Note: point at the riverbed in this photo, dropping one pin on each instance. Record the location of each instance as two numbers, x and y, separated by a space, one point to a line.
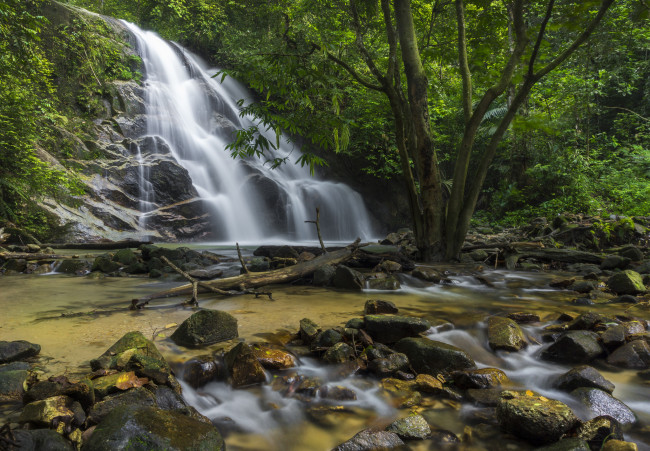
75 319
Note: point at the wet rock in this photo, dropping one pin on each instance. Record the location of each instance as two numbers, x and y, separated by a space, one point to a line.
505 335
117 382
339 353
426 383
626 282
412 427
11 351
488 397
534 418
428 274
326 339
258 264
613 337
378 306
355 323
138 397
615 262
16 264
567 444
308 330
389 365
323 276
337 393
273 358
105 264
583 376
347 278
82 391
599 403
524 317
619 445
633 327
244 367
443 439
631 252
206 327
383 283
150 428
596 431
481 378
583 286
389 329
276 252
576 346
368 440
73 266
434 357
125 257
13 384
633 355
390 266
206 274
200 370
586 321
44 413
41 440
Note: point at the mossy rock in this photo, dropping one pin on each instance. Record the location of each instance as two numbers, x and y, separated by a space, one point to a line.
626 282
125 256
505 335
118 355
149 428
206 327
434 357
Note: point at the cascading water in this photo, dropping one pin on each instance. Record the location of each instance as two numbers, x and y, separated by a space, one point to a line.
197 117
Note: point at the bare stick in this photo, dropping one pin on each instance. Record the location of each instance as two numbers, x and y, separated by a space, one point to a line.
241 260
317 222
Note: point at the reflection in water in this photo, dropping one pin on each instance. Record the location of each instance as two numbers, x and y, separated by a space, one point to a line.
77 318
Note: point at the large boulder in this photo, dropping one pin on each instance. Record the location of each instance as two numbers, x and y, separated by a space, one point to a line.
206 327
626 282
11 351
576 346
347 278
434 357
505 335
583 376
600 403
391 328
146 428
244 367
634 355
534 418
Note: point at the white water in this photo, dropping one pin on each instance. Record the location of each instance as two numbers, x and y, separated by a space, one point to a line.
196 115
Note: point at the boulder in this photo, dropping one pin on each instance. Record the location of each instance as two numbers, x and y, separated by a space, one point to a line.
82 391
368 439
615 262
631 252
534 418
613 337
600 403
339 353
40 439
434 357
576 346
389 328
428 274
308 330
104 263
347 278
73 266
505 335
383 283
583 286
59 409
125 257
243 366
583 376
323 275
11 351
389 365
146 428
481 379
138 397
206 327
326 339
13 384
203 369
587 321
633 355
412 427
598 430
273 358
626 282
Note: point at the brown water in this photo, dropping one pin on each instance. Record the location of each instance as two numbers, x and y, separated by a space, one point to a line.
75 319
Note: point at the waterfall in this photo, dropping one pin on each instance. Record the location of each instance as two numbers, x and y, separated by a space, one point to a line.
197 116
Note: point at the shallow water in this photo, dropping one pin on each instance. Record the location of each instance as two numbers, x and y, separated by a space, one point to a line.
75 319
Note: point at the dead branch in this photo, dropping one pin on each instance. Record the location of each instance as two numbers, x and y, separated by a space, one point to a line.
241 260
317 222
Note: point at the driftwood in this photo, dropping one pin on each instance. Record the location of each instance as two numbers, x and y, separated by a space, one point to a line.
104 246
32 256
245 282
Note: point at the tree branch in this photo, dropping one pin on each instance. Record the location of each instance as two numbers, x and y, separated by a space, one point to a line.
462 61
540 36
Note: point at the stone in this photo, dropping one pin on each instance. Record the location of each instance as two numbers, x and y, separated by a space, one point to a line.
428 274
626 282
11 351
43 413
368 439
389 329
337 393
426 383
505 335
326 339
412 427
633 355
390 266
105 264
243 366
82 391
125 257
631 252
600 403
583 286
206 327
308 330
488 397
206 273
73 266
586 321
524 317
138 397
13 384
434 357
146 428
41 440
347 278
443 439
383 283
613 337
273 358
258 264
615 262
378 306
323 275
576 346
481 378
534 418
203 369
355 323
389 365
339 353
583 376
597 430
619 445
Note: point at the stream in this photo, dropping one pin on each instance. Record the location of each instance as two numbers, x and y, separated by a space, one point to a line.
76 319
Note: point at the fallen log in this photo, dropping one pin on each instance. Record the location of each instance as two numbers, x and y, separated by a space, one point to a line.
244 282
32 256
552 255
104 246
